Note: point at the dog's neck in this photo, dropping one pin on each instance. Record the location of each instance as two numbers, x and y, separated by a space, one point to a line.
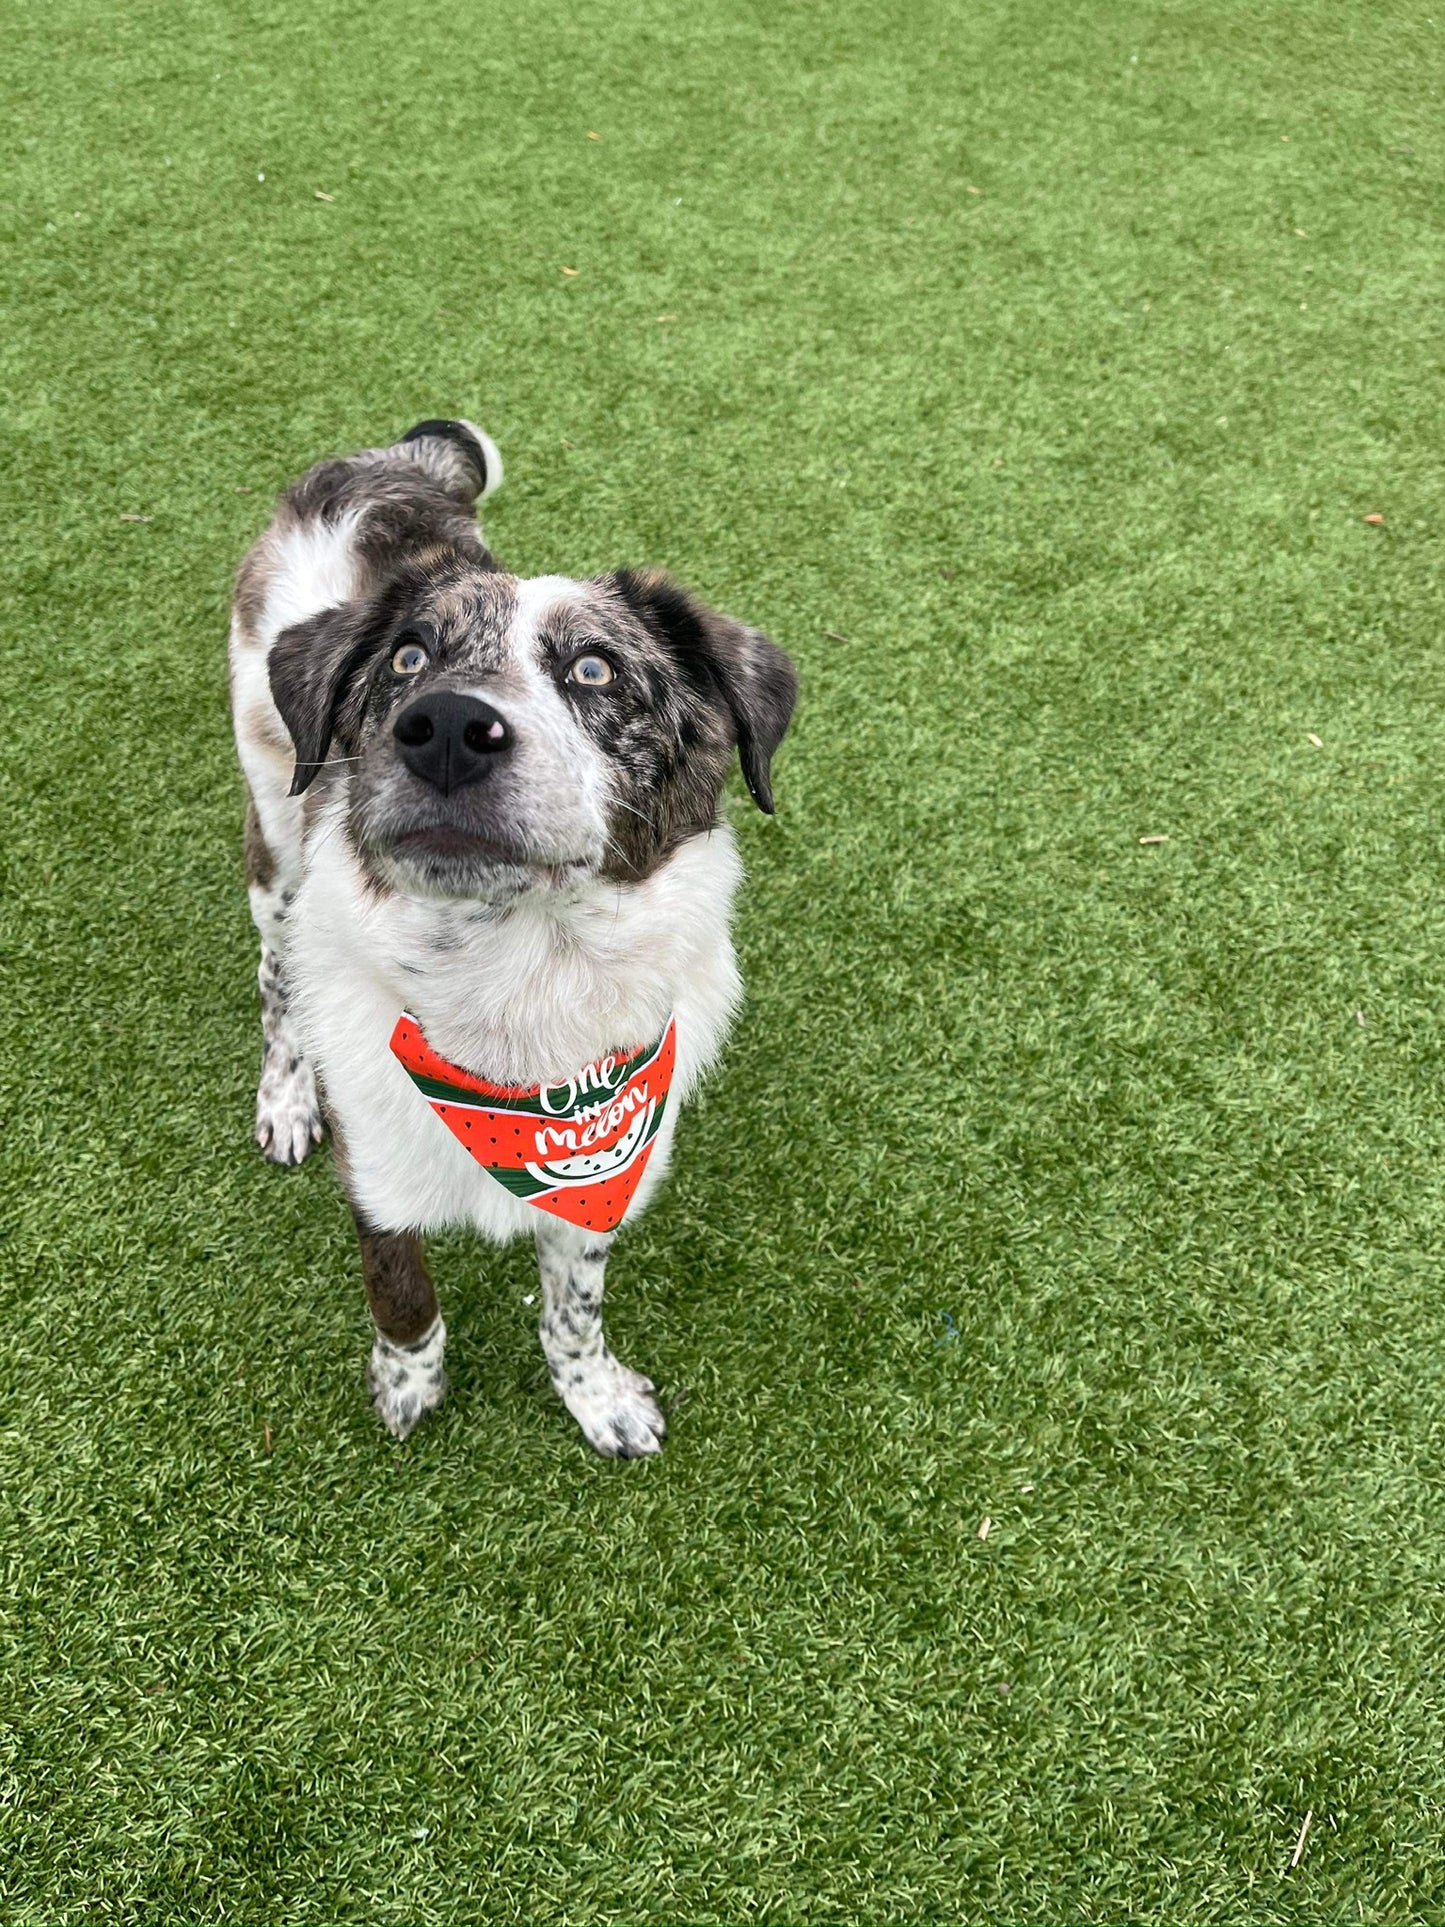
535 987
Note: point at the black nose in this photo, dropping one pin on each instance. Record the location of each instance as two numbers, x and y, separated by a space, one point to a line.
449 740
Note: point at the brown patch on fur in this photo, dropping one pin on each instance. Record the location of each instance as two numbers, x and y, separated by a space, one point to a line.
255 577
398 1285
263 730
437 557
260 862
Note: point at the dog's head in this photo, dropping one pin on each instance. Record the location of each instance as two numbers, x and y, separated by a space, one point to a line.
493 735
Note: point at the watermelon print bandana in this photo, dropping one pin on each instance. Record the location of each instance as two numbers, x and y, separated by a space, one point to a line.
577 1149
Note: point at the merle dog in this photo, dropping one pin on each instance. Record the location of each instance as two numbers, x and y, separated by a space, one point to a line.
493 885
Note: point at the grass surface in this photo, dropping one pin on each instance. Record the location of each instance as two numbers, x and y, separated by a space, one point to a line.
1088 1185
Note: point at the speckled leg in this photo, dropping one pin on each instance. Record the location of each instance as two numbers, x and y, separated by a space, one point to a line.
614 1406
288 1113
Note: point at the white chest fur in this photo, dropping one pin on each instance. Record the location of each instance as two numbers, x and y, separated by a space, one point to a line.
518 996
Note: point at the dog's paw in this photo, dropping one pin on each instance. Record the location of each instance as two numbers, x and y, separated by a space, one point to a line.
407 1382
614 1406
288 1113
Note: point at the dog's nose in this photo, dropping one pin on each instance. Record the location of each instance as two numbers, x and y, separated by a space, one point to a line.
450 740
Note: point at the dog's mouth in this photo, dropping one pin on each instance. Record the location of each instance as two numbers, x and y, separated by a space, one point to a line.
461 845
442 857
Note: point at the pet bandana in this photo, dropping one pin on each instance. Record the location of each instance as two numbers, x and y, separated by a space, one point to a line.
577 1149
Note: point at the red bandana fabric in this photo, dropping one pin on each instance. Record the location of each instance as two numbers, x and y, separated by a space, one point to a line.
577 1149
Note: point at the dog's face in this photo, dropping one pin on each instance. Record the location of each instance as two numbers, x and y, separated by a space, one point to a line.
493 735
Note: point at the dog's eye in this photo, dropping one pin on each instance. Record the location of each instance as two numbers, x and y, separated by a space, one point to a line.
409 660
591 671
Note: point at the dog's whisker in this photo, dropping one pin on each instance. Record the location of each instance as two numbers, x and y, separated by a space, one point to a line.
615 849
639 814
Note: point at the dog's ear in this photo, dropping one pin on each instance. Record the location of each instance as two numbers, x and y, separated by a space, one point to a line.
756 681
310 666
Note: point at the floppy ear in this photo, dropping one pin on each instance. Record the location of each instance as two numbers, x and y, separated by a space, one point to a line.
756 681
309 667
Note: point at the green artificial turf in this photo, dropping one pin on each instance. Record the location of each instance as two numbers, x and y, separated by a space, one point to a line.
1051 357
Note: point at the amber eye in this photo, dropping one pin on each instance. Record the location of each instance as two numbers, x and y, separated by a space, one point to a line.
409 660
591 671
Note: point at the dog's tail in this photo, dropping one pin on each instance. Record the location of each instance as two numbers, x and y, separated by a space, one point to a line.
448 447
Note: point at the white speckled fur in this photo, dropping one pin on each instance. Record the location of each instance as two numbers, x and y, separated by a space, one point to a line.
407 1381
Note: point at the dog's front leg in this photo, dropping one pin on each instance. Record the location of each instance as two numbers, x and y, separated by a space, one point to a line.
405 1374
288 1113
614 1406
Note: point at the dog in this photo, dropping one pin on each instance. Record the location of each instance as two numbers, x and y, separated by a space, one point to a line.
493 885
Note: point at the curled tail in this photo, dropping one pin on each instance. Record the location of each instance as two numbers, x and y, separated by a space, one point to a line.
456 452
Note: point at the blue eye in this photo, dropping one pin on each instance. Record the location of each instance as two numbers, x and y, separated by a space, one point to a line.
409 660
591 671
